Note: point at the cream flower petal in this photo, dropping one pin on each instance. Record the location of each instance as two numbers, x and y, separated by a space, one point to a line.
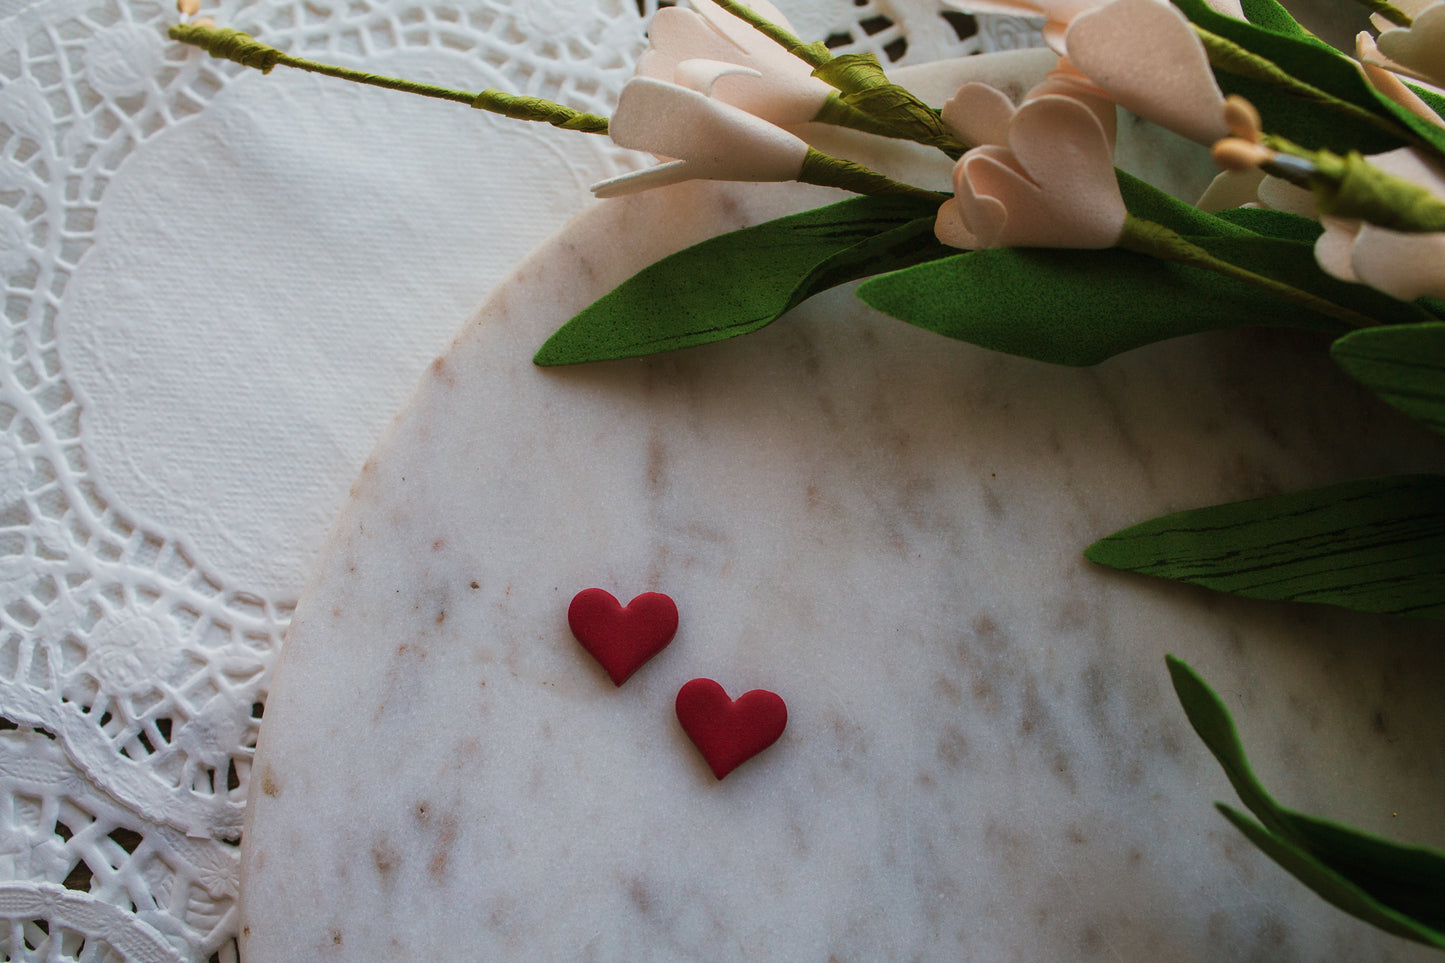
1421 46
712 139
950 229
633 182
1332 249
1145 55
1054 184
684 34
1278 194
1405 266
1066 80
1384 80
983 213
1231 189
700 75
783 89
978 114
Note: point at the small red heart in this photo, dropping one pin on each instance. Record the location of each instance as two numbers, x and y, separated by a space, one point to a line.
622 638
729 732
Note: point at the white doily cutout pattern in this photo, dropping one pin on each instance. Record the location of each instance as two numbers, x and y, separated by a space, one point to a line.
143 644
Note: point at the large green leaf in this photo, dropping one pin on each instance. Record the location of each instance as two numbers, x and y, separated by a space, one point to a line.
1376 545
742 281
1079 307
1403 364
1398 888
1309 60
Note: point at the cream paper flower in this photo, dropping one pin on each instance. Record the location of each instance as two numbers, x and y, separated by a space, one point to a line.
1379 70
1404 265
701 138
1052 185
1420 47
980 113
706 48
1058 14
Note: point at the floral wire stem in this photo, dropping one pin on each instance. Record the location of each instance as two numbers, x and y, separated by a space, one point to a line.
226 44
1155 240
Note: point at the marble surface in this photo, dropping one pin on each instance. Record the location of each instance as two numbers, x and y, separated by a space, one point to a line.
983 759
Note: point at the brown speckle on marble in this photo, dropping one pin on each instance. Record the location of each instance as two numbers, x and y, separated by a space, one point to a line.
442 371
952 747
640 897
335 937
269 785
385 857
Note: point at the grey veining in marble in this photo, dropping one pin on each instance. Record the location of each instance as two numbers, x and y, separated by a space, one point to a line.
984 759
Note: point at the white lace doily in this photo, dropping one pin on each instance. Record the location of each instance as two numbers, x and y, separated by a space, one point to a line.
218 288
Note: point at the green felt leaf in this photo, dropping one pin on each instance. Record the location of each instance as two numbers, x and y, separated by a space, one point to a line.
1079 307
1146 201
742 281
1376 545
1277 224
1273 16
1432 100
1403 364
1396 887
1314 62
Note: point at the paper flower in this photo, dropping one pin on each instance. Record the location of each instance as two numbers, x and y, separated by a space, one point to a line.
1146 57
1420 47
1053 185
1403 265
1379 70
702 138
708 48
1059 14
980 113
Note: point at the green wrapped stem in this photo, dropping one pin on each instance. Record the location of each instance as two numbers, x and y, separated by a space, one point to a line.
227 44
1350 186
1147 237
829 171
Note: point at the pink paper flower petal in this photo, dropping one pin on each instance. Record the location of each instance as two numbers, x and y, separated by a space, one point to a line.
700 75
713 140
1421 46
1146 56
978 114
1382 78
1332 249
1403 265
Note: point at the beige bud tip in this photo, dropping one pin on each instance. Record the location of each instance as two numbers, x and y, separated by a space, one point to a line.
1236 154
188 7
203 22
1242 119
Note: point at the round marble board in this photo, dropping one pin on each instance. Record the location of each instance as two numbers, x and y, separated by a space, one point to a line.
983 759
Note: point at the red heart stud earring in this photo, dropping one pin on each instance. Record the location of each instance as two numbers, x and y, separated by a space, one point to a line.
622 638
729 732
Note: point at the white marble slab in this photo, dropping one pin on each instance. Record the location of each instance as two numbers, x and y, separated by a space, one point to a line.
983 758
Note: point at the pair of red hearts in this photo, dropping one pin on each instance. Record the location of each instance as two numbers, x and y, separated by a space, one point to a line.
728 732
